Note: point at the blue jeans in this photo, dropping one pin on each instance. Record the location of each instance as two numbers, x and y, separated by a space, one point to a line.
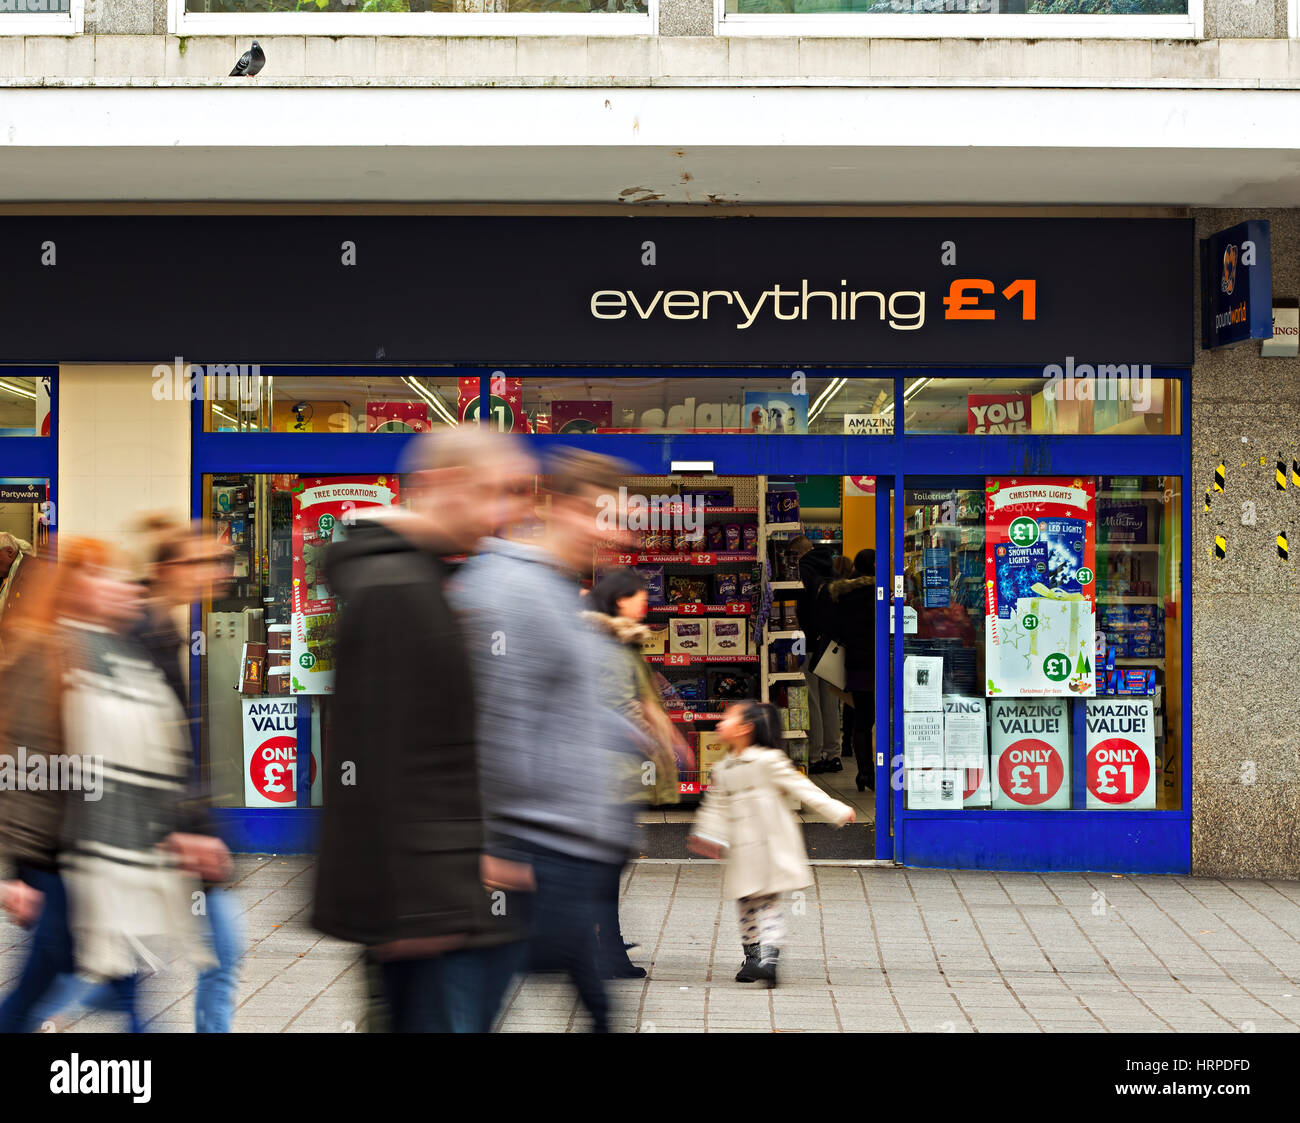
459 992
49 957
214 996
218 987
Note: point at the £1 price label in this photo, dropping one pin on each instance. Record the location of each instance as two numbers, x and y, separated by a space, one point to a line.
1030 771
274 769
1118 770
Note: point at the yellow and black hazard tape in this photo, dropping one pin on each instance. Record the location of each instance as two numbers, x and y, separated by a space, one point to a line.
1295 472
1220 476
1281 475
1282 548
1220 547
1207 500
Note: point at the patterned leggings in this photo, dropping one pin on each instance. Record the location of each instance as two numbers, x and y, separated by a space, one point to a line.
761 919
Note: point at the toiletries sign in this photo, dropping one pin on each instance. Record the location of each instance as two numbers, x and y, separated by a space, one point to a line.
323 506
1030 745
1121 753
1040 586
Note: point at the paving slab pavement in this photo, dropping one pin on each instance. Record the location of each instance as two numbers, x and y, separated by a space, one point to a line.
870 949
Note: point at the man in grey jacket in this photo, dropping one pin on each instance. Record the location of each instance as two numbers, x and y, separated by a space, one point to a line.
549 752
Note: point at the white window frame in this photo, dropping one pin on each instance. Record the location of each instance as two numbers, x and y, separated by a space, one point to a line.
71 22
447 24
941 25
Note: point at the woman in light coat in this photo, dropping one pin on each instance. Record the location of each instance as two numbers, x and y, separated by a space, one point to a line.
746 818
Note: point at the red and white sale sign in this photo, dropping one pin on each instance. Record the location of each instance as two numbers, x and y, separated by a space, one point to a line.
998 413
323 508
1030 743
271 754
1121 753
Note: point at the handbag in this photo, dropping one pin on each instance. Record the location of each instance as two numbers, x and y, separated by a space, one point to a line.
831 665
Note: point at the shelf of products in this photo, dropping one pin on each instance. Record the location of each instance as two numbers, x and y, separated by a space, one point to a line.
685 660
732 608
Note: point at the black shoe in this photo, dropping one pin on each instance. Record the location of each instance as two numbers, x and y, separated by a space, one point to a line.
629 947
865 785
833 765
748 972
766 969
816 767
628 970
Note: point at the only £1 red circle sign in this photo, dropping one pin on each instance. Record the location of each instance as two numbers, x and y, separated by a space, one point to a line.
1118 771
1030 771
273 769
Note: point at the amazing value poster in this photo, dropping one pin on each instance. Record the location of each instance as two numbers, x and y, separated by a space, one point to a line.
1040 586
323 507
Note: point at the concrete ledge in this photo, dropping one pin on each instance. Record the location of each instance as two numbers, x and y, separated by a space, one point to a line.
646 60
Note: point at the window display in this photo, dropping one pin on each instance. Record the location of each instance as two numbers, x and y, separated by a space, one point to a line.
244 400
1047 612
797 404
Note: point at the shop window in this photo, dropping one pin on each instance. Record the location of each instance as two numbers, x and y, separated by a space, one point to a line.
242 400
797 404
268 664
24 405
1042 644
1121 400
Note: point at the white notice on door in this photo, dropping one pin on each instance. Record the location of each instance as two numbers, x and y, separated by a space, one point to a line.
923 682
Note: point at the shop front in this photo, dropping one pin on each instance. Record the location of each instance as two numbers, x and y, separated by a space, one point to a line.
997 408
28 471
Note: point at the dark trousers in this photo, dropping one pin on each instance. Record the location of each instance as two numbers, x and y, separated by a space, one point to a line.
565 914
864 717
49 956
609 940
458 992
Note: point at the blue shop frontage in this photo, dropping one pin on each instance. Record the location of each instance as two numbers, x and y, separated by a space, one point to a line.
999 408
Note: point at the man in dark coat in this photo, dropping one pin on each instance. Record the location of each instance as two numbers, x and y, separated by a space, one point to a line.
816 568
401 867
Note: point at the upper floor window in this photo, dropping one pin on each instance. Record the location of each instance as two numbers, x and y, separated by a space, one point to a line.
1128 19
409 17
37 17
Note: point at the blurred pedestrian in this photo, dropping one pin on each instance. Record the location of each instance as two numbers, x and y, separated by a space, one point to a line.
616 608
745 819
402 866
101 868
816 568
852 622
551 750
185 564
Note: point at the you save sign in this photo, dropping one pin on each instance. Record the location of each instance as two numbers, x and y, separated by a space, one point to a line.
1121 753
1030 743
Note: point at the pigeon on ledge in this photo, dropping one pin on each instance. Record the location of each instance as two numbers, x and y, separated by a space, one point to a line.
250 62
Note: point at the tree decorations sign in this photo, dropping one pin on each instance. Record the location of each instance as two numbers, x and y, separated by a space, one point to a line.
1040 586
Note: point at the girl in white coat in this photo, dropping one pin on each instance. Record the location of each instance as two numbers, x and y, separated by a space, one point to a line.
746 818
